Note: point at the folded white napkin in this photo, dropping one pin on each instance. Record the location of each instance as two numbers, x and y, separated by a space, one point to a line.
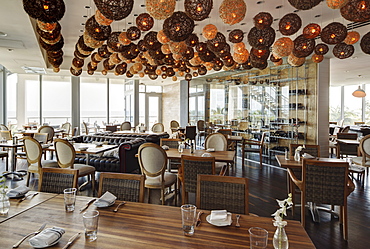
218 215
18 191
105 200
308 156
47 237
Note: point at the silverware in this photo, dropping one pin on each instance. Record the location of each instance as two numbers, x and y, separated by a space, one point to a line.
29 195
28 235
70 241
119 205
237 220
87 204
198 218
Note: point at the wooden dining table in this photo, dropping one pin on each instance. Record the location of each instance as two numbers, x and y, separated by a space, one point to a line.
140 225
91 149
220 156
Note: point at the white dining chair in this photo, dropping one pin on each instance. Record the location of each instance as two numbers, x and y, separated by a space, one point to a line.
66 155
34 151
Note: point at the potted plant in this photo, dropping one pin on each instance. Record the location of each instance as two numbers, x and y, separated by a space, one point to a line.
4 199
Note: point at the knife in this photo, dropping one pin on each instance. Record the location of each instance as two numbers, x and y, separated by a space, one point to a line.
87 204
29 195
198 218
70 241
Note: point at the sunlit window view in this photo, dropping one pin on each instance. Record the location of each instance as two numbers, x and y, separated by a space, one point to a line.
93 100
56 108
347 110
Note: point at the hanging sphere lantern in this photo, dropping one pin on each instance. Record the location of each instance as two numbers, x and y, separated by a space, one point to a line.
263 20
334 33
290 24
236 36
101 19
356 11
336 4
162 38
282 47
160 9
144 22
232 11
321 49
352 37
343 51
198 10
311 31
304 4
317 58
295 61
209 31
178 27
115 9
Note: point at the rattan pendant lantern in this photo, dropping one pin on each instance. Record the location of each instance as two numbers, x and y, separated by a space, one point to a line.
198 10
352 37
290 24
336 4
160 9
232 11
304 4
282 47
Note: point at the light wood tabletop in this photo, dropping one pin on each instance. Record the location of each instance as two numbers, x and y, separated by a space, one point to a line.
220 156
291 163
140 225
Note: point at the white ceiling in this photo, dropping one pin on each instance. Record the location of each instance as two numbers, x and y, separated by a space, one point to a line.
20 47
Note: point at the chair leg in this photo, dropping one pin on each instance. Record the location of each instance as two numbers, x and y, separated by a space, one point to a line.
303 207
176 193
345 224
7 163
28 179
260 160
162 194
93 183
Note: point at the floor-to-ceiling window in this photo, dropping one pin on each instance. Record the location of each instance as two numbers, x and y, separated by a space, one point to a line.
150 103
116 100
217 104
93 100
11 102
32 99
56 99
196 103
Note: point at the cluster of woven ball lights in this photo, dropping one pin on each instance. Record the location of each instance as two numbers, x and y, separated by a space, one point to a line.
47 14
176 51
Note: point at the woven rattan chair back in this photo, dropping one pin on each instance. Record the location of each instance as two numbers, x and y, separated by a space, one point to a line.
222 192
325 182
49 130
55 180
191 167
201 125
126 187
174 125
312 149
170 142
217 141
126 126
65 153
66 127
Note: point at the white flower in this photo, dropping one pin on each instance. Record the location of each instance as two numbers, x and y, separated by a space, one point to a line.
281 212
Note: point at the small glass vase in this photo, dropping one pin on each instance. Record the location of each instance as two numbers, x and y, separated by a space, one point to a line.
280 240
4 204
297 156
181 147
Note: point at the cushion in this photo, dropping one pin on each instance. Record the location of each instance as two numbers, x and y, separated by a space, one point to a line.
84 169
156 181
111 153
358 160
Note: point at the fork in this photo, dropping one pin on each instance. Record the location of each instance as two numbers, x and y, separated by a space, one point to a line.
237 220
28 235
119 205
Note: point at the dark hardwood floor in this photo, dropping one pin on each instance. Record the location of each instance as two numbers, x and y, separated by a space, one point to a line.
269 184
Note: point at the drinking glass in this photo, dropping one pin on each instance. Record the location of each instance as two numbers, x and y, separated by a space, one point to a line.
90 219
258 237
188 214
70 199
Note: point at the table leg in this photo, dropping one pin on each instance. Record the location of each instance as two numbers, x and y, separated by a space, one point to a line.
17 176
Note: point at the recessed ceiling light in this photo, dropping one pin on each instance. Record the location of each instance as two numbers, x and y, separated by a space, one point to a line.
136 15
3 34
87 7
296 11
276 19
279 7
317 16
81 30
228 30
129 23
259 2
347 71
83 24
243 23
143 5
85 16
